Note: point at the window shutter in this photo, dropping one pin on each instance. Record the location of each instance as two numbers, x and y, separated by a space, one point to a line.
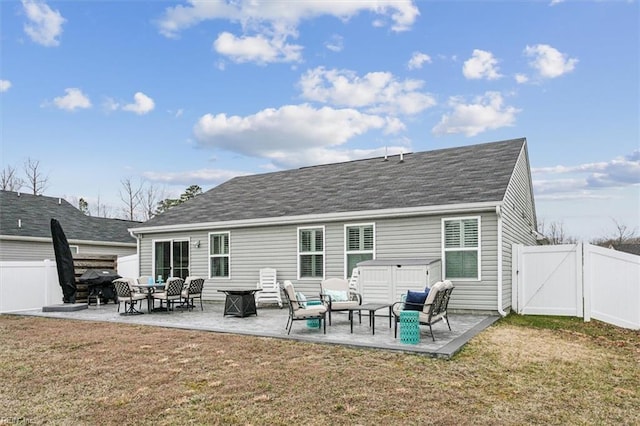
225 238
353 238
318 240
367 238
360 238
305 266
470 233
452 234
305 241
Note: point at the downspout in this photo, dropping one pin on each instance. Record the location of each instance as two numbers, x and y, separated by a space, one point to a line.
499 214
137 237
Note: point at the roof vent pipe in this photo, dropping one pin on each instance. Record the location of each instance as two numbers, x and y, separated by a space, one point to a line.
385 154
19 223
401 156
18 193
59 201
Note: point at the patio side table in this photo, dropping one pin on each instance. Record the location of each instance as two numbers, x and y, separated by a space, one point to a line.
410 327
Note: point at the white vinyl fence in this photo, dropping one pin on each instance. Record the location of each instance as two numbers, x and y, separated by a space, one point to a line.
32 285
28 285
579 280
128 266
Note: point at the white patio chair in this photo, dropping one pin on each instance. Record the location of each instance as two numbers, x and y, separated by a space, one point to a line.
340 297
353 281
299 310
270 288
433 310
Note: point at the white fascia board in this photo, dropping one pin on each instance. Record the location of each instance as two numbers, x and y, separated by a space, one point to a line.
71 241
325 217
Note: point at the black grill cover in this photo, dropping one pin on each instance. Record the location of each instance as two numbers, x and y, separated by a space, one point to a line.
98 276
99 283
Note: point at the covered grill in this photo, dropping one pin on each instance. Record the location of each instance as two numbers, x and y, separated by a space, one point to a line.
99 284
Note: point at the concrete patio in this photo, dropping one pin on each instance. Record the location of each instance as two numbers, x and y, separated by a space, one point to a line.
271 321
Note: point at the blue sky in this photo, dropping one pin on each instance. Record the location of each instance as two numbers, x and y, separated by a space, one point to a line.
175 93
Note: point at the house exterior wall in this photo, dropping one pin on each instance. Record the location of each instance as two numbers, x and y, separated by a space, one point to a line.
252 248
17 250
519 220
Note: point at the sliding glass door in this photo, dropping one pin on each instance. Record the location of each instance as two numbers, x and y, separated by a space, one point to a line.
171 259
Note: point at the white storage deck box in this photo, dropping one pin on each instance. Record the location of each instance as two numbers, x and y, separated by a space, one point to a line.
386 280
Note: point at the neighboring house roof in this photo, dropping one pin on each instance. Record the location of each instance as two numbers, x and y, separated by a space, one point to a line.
464 175
26 215
627 248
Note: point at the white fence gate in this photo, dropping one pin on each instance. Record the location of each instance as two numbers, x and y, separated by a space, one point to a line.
579 280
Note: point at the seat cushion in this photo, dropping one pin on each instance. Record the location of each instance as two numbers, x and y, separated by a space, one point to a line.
336 306
310 311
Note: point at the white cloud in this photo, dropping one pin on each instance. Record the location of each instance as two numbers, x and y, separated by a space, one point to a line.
201 176
482 64
521 78
4 85
336 44
45 25
417 60
377 92
73 100
555 2
110 105
289 135
142 104
322 155
267 25
251 13
548 61
257 49
619 172
487 112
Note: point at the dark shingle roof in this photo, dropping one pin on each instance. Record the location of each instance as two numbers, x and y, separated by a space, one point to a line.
36 211
477 173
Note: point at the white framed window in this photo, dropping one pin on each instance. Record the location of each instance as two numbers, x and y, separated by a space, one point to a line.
74 249
311 252
359 245
461 248
219 255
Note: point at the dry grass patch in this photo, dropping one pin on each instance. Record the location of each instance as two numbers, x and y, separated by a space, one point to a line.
73 372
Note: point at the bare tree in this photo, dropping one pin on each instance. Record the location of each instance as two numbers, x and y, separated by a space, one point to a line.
101 210
9 180
554 232
36 181
622 234
150 196
130 195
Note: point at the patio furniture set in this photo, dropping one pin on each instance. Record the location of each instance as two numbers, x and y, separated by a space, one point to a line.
175 291
426 307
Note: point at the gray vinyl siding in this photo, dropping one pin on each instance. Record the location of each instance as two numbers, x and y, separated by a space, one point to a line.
13 250
253 248
519 220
